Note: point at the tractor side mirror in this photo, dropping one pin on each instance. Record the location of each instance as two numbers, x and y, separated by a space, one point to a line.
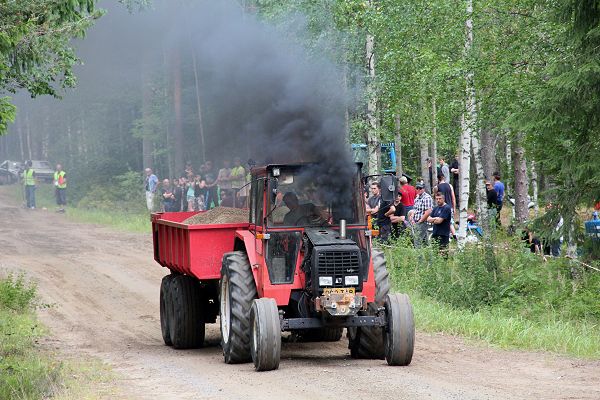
389 187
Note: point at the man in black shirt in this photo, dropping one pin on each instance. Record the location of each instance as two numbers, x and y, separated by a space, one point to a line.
396 213
440 218
492 200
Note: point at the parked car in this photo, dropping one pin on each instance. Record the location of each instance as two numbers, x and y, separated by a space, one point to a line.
43 170
10 171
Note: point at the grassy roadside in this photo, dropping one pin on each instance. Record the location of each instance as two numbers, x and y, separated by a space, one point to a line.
27 370
116 218
504 297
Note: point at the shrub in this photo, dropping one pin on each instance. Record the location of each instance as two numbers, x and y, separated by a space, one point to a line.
16 294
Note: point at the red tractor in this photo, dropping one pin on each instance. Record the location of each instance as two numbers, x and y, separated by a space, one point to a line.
299 263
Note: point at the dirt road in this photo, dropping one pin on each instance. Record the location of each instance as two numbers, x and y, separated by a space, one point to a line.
102 286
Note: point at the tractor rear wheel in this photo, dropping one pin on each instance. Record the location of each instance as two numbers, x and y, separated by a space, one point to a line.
266 334
236 294
399 337
367 342
165 307
186 322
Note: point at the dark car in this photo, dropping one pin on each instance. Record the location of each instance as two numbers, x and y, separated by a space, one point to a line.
10 171
43 170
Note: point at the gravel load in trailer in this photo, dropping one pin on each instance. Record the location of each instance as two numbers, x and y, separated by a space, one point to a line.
219 215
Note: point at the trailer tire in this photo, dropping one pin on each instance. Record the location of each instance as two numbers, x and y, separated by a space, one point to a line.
265 342
399 336
321 335
186 325
236 294
367 342
165 308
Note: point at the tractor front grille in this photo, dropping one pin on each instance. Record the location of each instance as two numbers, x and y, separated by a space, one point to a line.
338 264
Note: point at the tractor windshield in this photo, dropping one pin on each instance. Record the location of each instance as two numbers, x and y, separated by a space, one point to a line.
301 196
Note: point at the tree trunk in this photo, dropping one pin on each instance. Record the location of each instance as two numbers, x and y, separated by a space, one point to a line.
424 156
178 139
488 152
534 184
20 130
434 154
520 182
373 146
28 136
398 145
199 106
147 159
468 123
507 180
481 195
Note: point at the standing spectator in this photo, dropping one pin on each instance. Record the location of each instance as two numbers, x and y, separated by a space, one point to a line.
60 183
499 188
223 178
167 196
226 198
210 176
190 195
430 168
444 169
29 183
455 173
420 213
151 184
440 218
408 194
238 180
448 191
180 195
374 201
377 208
397 215
200 193
189 170
492 200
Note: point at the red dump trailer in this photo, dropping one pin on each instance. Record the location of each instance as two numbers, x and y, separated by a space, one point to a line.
293 263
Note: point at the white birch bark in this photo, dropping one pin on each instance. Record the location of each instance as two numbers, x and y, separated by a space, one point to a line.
424 145
199 106
534 184
468 122
481 195
373 146
520 182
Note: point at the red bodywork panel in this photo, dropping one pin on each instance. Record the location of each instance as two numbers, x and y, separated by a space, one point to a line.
198 250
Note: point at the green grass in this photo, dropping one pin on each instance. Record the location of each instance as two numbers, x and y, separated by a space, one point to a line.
25 373
498 329
131 221
502 295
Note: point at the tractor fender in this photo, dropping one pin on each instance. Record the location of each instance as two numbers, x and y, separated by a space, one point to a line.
248 240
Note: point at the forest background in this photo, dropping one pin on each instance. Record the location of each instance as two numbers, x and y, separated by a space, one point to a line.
508 86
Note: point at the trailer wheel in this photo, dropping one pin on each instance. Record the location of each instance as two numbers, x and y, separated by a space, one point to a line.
266 334
237 292
186 323
399 337
367 342
165 307
321 335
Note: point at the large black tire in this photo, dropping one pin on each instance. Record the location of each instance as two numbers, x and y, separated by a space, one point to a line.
321 335
165 307
399 338
265 341
186 322
367 342
237 292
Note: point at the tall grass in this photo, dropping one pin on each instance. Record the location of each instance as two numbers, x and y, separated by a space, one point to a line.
24 372
502 295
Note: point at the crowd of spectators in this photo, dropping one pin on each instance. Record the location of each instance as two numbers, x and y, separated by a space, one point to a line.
199 190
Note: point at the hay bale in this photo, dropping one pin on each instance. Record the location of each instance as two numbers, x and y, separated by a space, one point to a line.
219 215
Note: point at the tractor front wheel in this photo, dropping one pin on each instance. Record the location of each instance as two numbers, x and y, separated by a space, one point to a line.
367 342
399 336
236 294
266 334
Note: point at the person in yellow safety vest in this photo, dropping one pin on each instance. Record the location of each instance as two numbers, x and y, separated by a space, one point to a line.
60 182
29 184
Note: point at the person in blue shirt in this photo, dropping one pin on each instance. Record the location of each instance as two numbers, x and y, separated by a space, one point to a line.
499 188
151 184
440 218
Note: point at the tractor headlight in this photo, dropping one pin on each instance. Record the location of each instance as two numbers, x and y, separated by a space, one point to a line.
351 280
325 281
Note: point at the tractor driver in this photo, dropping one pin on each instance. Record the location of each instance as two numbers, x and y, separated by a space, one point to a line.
301 214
